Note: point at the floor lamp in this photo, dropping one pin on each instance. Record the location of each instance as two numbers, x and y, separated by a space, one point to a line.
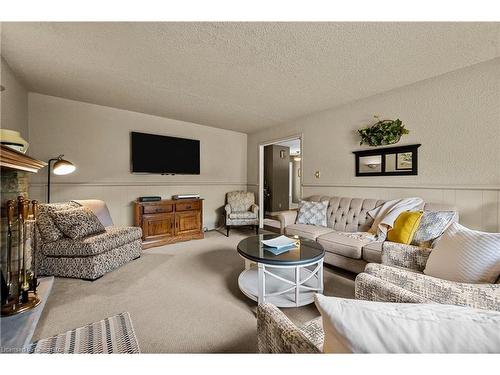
61 167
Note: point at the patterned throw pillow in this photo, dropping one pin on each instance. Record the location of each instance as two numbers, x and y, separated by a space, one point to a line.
46 227
313 213
78 222
431 227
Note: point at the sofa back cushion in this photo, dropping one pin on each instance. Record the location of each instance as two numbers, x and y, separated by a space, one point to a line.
351 214
348 214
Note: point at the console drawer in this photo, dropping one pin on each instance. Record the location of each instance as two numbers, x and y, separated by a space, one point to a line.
188 206
157 209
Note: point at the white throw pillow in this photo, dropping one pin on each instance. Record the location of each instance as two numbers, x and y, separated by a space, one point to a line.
357 326
313 213
466 256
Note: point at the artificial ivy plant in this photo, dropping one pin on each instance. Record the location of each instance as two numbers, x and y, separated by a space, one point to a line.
383 132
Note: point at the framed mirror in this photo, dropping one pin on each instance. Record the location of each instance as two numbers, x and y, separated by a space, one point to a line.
387 161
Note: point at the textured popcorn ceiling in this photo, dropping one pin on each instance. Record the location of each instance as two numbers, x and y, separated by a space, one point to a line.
240 76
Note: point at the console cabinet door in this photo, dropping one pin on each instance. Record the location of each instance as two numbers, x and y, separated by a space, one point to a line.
157 225
187 222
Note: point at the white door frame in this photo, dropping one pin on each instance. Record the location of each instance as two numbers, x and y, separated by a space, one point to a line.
299 136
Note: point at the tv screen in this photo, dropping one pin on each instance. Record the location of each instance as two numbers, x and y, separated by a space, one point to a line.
162 154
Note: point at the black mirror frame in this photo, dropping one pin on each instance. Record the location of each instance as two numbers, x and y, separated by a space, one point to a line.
385 151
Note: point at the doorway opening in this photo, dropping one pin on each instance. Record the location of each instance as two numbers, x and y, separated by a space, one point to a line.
280 179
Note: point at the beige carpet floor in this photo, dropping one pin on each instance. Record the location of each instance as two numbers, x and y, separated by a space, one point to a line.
183 298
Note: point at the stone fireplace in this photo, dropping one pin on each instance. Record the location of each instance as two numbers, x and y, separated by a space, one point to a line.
14 175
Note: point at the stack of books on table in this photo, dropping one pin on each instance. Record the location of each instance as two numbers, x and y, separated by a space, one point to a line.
279 245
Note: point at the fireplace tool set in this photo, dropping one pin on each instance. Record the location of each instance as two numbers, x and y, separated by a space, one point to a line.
19 283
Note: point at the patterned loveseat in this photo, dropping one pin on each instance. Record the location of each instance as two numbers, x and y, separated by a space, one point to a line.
89 257
344 238
398 279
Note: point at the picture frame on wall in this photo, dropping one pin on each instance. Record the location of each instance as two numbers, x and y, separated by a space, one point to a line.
387 161
404 161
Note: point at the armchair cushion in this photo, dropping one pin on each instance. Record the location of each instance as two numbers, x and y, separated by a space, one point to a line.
48 230
243 215
277 334
112 238
406 256
466 256
240 200
363 327
77 222
480 296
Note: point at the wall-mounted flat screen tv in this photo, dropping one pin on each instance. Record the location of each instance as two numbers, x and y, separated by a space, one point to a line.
166 155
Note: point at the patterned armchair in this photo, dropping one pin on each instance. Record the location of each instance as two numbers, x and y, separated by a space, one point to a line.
400 278
89 257
241 210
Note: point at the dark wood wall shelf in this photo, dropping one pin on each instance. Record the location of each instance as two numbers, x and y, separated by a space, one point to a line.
169 221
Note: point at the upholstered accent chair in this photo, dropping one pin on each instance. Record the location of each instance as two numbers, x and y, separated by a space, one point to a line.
241 210
89 257
400 278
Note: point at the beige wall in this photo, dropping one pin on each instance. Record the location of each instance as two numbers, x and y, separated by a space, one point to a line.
456 118
97 140
14 102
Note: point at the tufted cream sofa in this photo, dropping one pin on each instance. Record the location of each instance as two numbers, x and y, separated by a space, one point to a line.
345 215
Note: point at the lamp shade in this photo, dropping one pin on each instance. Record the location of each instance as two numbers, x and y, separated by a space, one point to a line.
62 167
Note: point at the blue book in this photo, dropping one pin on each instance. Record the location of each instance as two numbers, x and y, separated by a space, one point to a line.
279 250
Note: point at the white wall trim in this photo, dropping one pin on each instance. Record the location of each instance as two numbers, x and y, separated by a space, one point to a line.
175 183
441 187
428 187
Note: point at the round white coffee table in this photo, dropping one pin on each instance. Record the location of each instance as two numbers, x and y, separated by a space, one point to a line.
287 280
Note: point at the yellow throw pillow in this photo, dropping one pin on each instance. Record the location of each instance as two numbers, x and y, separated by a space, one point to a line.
405 227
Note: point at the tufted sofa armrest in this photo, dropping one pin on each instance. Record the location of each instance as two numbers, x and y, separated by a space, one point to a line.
277 334
286 218
227 208
254 208
405 256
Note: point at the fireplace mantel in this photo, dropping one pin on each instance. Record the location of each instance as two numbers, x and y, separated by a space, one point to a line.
14 160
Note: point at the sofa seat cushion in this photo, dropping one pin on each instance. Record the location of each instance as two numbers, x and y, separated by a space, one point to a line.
372 252
307 231
243 215
344 243
112 238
